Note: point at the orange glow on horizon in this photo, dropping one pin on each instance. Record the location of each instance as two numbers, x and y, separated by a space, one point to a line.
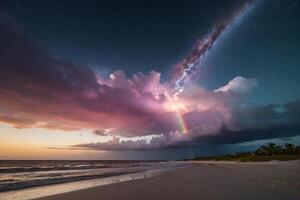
34 143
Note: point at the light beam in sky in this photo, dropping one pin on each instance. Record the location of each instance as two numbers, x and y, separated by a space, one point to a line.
177 107
190 64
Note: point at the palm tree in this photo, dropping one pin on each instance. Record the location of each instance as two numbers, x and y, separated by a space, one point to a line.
265 150
272 148
279 150
259 151
290 148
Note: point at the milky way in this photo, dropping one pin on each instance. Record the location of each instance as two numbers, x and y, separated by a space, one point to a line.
191 63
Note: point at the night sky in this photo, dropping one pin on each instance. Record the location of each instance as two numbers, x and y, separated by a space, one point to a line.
66 53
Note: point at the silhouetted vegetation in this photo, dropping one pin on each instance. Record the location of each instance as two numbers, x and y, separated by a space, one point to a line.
267 152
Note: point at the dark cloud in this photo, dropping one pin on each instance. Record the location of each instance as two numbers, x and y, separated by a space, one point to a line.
250 124
100 132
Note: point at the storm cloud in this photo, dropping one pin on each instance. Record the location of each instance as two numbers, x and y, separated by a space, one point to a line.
38 89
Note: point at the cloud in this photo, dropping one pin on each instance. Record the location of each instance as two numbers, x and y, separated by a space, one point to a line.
249 124
172 139
116 144
101 132
40 90
239 85
18 122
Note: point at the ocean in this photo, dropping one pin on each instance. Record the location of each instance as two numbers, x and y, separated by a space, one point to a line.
32 179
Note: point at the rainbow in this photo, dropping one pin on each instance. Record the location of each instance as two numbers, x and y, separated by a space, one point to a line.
181 123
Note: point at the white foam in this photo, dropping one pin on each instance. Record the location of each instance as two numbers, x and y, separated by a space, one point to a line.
42 191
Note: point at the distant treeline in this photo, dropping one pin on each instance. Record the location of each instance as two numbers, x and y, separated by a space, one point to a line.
267 152
273 149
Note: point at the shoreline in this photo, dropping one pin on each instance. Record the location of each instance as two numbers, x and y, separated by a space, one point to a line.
208 180
61 188
283 176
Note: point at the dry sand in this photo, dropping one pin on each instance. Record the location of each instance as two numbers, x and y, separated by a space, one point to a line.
204 180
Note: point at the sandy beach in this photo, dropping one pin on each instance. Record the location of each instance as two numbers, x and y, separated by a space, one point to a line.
204 180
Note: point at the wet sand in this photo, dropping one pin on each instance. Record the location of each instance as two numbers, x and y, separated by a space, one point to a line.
204 180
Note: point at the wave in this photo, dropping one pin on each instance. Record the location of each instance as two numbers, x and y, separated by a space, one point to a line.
15 175
35 166
43 182
36 169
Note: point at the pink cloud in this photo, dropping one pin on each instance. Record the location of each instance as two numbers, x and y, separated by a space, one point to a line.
39 90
